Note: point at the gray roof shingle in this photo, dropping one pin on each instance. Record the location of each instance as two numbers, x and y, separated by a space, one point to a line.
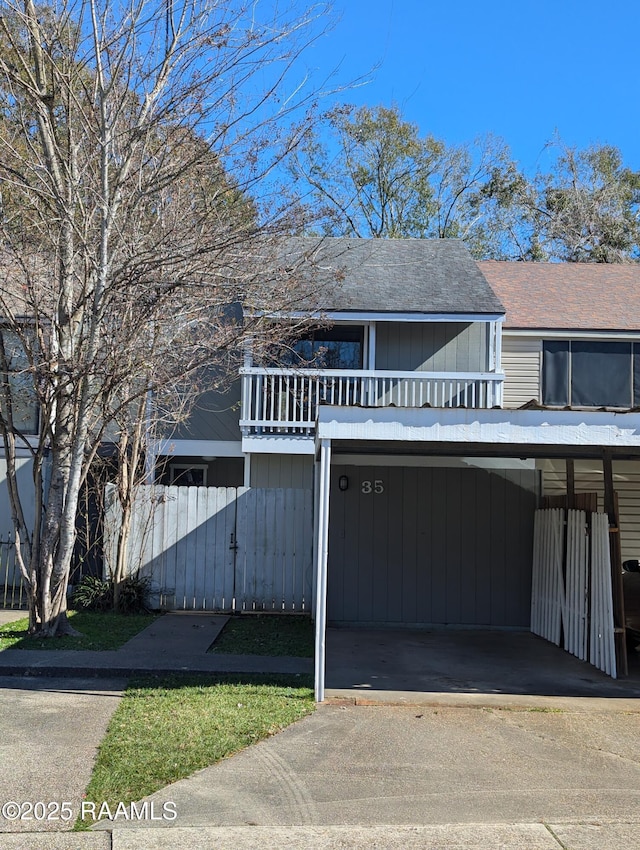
391 275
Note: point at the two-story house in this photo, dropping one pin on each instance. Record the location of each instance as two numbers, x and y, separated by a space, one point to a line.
428 410
433 405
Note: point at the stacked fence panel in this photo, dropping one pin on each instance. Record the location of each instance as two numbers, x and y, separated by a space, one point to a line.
571 596
602 653
577 585
547 596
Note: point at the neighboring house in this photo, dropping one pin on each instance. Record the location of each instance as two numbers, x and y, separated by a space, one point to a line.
426 472
571 338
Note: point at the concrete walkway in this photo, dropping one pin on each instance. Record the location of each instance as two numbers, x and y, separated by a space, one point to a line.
174 643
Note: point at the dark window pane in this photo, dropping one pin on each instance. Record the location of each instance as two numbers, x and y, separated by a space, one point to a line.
555 373
333 348
600 374
636 375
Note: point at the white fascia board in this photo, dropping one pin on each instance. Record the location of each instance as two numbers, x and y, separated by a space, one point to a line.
358 317
618 336
198 448
495 427
284 445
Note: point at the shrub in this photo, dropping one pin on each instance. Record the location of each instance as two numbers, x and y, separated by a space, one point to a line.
96 594
132 598
93 594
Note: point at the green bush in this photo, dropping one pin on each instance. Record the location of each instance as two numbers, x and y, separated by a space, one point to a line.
93 594
133 595
96 594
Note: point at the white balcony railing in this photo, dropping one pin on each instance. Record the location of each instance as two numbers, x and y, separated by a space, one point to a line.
285 401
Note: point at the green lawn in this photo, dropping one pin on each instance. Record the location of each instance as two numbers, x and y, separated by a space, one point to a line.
267 634
165 729
99 631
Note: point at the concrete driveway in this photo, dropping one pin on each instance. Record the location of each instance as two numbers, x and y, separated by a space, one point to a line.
400 765
49 733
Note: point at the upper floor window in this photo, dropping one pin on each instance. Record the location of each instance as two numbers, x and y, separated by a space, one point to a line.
339 347
590 373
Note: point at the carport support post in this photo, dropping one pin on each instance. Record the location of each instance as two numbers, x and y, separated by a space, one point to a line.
322 548
611 508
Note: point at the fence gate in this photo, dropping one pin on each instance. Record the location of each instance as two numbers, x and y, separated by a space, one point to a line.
220 548
571 594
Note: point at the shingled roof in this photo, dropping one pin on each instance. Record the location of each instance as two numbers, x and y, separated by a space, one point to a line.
392 275
567 296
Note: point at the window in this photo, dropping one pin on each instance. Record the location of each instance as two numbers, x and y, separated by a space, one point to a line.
339 347
187 475
590 373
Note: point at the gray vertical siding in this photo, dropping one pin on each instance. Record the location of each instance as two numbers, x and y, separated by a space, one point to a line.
439 546
286 471
215 416
25 486
432 346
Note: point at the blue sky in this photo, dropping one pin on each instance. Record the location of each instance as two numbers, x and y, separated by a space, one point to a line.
520 69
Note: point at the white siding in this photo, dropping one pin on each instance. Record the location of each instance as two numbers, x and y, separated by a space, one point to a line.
589 479
521 363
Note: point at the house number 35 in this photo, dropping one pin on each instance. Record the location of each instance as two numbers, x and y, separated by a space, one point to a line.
376 486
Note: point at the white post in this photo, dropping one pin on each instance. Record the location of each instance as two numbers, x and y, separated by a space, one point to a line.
322 544
498 354
151 456
371 352
492 347
247 470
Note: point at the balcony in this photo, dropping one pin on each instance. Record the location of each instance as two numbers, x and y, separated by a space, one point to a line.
285 401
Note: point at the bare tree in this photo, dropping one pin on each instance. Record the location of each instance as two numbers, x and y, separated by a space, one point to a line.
131 138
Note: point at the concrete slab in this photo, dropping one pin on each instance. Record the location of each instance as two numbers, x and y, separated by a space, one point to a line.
49 733
180 633
157 661
446 837
597 836
408 766
455 661
7 616
512 702
56 841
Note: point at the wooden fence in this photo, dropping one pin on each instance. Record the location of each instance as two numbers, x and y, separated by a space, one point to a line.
571 598
220 548
12 592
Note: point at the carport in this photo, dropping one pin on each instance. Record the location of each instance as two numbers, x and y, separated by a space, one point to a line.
396 433
431 665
